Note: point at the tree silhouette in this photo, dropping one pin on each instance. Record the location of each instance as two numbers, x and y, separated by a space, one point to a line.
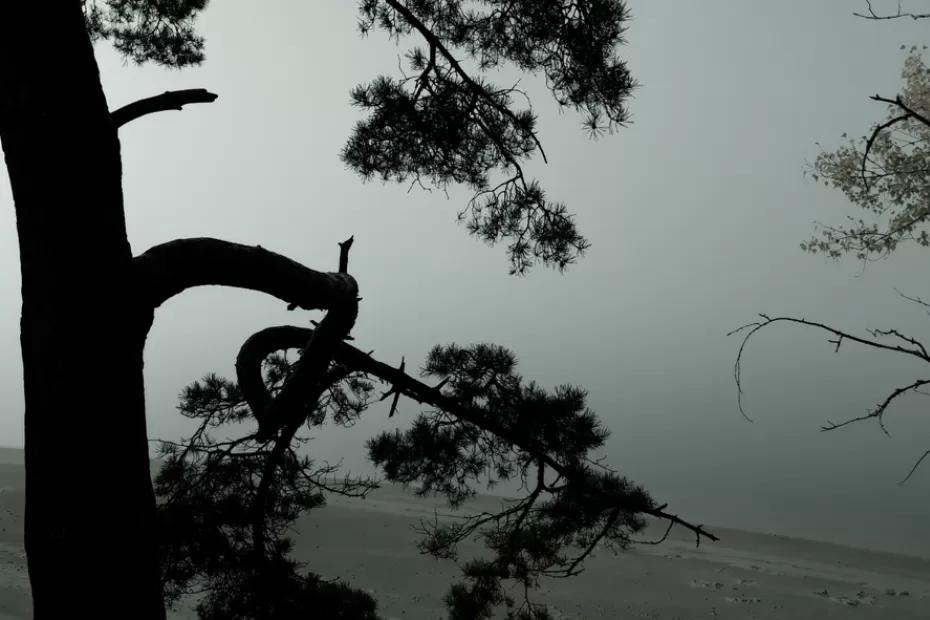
227 505
88 303
885 174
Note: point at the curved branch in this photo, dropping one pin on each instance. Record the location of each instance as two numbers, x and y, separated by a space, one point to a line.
914 468
354 359
299 390
167 269
170 268
919 351
660 540
863 172
609 522
249 363
168 100
908 113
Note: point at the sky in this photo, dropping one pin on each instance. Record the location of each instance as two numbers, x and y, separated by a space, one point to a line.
695 213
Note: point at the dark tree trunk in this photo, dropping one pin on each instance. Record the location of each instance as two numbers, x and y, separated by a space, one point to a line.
90 511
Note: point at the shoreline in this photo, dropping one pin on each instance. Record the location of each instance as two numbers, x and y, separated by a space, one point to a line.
372 545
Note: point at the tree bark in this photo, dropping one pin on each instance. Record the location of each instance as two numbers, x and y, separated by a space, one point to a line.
90 510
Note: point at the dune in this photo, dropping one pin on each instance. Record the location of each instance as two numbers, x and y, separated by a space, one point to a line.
372 544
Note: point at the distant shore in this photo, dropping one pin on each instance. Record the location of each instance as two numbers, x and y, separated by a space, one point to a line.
372 544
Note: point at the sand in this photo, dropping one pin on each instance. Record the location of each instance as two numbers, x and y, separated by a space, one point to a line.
371 543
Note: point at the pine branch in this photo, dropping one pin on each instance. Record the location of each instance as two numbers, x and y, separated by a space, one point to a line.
478 90
357 360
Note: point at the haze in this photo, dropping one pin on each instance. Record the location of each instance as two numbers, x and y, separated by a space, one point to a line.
695 213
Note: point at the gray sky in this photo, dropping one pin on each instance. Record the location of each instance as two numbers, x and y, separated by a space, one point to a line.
695 213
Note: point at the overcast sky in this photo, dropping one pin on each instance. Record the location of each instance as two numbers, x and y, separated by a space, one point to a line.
695 212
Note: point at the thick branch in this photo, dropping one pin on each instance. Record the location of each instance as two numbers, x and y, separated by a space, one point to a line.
249 363
167 269
344 248
299 390
168 100
357 360
317 353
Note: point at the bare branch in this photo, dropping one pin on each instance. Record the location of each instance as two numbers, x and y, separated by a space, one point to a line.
916 300
348 487
168 100
344 248
897 334
249 363
660 540
751 329
608 524
167 269
879 411
395 392
898 15
914 468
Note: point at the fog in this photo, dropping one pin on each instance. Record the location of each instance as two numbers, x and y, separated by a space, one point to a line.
695 213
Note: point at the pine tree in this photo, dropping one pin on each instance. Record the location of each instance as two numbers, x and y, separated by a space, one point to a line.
88 303
227 505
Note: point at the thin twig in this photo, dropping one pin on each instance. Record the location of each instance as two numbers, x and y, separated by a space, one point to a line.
879 411
914 468
900 13
751 329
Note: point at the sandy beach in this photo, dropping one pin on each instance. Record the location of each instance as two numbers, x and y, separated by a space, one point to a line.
371 543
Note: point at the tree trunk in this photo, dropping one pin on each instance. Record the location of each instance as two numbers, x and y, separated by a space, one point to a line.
90 510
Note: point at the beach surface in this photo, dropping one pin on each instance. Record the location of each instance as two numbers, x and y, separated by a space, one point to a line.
371 543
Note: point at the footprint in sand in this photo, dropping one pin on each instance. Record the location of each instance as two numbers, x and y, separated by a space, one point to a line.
855 600
742 599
